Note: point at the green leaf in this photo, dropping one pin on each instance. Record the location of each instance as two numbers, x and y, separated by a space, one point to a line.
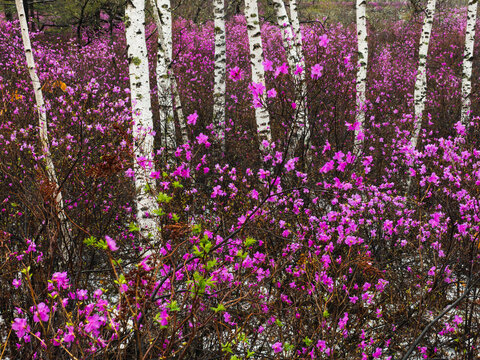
249 241
307 341
176 184
173 306
175 217
132 227
159 212
220 307
227 347
197 252
196 229
163 198
91 241
101 244
211 264
326 314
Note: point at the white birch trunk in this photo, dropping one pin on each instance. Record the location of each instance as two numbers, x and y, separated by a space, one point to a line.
164 85
141 113
467 61
165 13
220 71
256 62
287 34
420 92
301 129
361 83
42 124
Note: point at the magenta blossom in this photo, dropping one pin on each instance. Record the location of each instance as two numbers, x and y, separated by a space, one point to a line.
112 245
21 327
236 74
41 313
277 347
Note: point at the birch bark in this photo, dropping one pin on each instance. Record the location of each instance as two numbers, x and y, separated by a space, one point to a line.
287 34
164 85
141 114
256 61
420 92
220 71
467 61
165 13
301 129
42 124
361 71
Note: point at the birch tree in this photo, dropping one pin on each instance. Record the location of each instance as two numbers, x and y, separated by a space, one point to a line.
164 85
287 34
141 113
300 129
164 29
361 82
256 62
420 92
220 70
467 60
42 123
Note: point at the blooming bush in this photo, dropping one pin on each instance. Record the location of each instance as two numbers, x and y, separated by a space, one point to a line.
332 253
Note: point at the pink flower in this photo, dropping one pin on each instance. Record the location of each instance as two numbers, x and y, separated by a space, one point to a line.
163 320
61 279
203 139
94 323
283 69
82 294
130 173
41 313
272 93
21 327
316 71
377 353
112 245
17 283
277 347
236 74
192 118
257 89
298 70
324 40
290 165
267 65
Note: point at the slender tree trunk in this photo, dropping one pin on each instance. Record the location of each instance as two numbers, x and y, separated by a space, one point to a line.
165 13
467 61
256 62
420 92
43 125
141 114
164 86
361 71
301 129
220 71
26 9
287 34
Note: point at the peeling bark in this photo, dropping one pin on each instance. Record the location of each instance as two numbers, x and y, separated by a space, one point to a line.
361 83
256 61
164 86
220 71
43 125
141 114
164 11
420 92
468 60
